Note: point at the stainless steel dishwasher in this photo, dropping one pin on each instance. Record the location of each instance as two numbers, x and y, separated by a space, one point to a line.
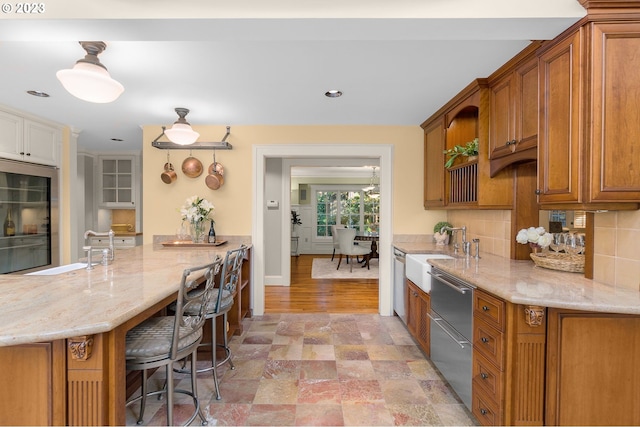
451 331
399 289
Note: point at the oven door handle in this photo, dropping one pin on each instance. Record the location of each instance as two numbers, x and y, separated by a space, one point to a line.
461 289
437 321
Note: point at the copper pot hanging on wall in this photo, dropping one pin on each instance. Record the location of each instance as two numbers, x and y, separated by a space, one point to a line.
215 178
169 176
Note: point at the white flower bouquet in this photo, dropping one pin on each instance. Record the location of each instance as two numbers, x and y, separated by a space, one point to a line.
196 209
535 237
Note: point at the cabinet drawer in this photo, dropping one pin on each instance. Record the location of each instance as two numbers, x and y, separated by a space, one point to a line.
485 409
118 242
488 341
487 377
490 309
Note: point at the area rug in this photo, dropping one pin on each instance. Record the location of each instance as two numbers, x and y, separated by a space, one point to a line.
324 268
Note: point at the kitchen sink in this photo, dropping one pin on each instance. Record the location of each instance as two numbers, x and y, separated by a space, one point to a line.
59 270
418 268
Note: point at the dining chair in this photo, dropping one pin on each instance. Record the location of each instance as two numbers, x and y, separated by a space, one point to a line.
346 238
162 340
334 236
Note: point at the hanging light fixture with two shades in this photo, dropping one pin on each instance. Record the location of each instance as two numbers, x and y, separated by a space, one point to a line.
89 80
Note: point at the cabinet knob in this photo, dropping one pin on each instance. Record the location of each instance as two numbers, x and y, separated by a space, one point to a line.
484 340
483 411
538 192
485 308
22 153
28 154
483 375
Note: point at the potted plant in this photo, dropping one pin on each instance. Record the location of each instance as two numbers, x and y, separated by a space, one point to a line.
295 220
442 238
470 149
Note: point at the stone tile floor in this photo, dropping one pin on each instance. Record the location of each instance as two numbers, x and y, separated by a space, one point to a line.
316 370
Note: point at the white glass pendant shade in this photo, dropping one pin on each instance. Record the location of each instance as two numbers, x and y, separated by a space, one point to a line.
182 134
91 83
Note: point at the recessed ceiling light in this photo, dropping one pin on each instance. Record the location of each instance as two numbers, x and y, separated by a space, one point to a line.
333 93
38 93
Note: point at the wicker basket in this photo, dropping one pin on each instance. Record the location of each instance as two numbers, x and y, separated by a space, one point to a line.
558 261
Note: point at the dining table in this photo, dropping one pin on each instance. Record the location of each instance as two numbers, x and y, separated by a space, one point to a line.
367 236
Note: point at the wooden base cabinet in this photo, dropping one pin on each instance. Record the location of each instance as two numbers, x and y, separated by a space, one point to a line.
418 306
593 374
508 362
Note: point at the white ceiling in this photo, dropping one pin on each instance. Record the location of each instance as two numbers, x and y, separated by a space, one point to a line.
254 62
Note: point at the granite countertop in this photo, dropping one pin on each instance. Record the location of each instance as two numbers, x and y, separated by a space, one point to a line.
79 302
521 282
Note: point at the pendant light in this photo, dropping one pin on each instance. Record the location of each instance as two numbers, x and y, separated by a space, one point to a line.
373 190
181 133
89 80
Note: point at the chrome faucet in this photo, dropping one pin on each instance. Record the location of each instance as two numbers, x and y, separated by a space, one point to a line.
106 257
465 245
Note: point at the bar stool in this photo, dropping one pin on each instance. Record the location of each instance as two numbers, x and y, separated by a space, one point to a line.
160 341
220 304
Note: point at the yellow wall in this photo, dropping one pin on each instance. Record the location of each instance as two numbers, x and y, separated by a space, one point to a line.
233 201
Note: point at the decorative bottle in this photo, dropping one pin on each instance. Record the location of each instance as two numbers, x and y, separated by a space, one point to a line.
9 225
212 233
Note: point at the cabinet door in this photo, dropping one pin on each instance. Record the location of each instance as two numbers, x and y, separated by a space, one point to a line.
615 170
593 374
417 315
526 105
41 143
118 180
434 164
502 118
560 143
11 136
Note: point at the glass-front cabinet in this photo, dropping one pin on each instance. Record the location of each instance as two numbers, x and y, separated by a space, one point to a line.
117 181
27 211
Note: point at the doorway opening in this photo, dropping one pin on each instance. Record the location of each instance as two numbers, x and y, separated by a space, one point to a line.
289 154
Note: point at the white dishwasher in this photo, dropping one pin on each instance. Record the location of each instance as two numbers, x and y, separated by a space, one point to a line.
399 288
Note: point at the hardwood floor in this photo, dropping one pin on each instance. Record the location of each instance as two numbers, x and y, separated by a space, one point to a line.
307 295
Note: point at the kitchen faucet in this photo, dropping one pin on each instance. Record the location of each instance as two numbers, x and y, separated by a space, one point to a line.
106 257
466 246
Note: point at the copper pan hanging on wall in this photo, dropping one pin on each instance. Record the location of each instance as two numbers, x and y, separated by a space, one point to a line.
192 167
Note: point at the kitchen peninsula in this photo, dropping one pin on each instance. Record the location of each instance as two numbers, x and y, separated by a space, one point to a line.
549 347
62 336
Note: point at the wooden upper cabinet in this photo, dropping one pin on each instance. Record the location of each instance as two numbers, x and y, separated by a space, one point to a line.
585 156
513 116
465 184
615 111
560 143
434 163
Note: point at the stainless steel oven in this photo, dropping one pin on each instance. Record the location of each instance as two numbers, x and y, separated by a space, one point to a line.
451 331
29 214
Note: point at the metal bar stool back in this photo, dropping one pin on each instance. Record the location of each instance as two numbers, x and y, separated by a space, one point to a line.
220 306
160 341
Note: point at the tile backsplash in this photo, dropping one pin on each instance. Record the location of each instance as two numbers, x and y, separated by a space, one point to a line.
493 228
617 251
